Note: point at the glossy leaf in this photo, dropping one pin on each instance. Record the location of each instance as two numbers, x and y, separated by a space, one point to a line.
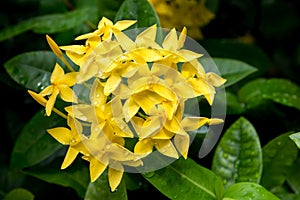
47 24
293 178
184 179
279 156
234 106
227 48
249 191
238 156
19 194
278 90
75 176
296 138
100 190
32 69
34 144
233 70
140 10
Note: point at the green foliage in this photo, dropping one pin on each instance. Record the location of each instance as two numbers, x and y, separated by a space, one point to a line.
34 144
140 10
249 191
19 194
100 190
188 179
238 157
233 70
279 156
259 73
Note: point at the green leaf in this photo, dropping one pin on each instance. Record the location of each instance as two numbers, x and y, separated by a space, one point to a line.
279 156
60 22
140 10
234 106
293 178
34 144
289 196
184 179
247 190
100 190
19 194
296 138
227 48
233 70
75 176
278 90
47 24
32 69
238 156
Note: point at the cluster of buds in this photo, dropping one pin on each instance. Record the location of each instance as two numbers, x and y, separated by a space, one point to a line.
126 91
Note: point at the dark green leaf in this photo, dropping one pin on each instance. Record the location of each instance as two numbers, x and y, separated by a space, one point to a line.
238 156
75 176
234 106
247 190
14 30
293 178
140 10
34 144
100 190
60 22
279 90
109 8
233 70
250 54
279 156
296 138
47 24
184 179
289 196
32 70
19 194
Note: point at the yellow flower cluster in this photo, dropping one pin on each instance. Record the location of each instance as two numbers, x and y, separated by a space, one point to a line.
192 14
126 89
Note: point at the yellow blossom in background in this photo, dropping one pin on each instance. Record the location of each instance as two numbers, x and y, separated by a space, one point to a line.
127 90
192 14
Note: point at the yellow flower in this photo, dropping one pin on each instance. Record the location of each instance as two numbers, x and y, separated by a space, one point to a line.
179 13
203 83
101 152
71 137
60 85
101 114
78 53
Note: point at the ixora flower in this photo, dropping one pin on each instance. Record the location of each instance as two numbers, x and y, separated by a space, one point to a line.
128 99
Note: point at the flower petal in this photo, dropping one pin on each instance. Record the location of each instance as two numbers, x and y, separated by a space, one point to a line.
166 147
144 146
51 101
193 123
182 143
66 93
61 134
69 158
121 25
130 108
170 41
96 168
39 98
112 83
215 79
57 73
68 79
114 178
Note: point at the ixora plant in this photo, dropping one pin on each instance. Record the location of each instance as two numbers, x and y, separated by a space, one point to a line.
122 83
130 108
